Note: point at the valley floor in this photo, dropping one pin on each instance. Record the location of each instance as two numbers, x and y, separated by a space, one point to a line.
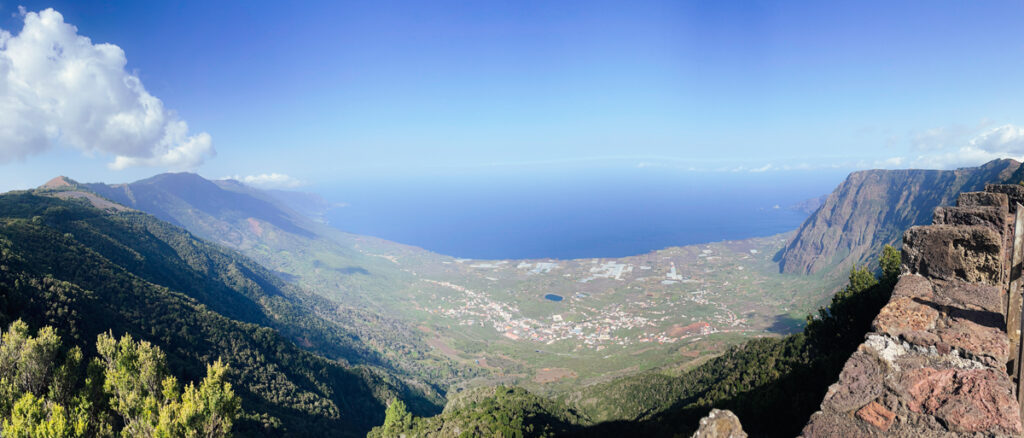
551 325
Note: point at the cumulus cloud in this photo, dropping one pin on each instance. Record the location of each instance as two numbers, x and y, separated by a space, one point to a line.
269 181
1006 141
58 88
1006 138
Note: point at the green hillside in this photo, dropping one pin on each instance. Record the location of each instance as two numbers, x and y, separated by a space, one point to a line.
84 271
346 285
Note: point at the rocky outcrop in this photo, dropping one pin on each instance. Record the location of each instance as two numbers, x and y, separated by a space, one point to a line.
66 188
872 209
935 361
59 182
720 424
948 252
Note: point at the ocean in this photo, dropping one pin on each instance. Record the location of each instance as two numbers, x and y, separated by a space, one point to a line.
577 214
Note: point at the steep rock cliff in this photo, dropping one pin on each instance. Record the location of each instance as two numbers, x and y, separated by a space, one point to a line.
872 208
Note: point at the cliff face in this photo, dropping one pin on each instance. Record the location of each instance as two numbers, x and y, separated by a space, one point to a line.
872 208
935 361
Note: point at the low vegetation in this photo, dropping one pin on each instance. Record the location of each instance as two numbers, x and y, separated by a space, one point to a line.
501 411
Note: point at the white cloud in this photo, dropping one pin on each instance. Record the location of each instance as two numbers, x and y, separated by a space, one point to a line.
58 88
269 181
1006 141
889 163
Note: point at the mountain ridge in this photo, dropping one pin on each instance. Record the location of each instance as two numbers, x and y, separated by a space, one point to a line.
290 245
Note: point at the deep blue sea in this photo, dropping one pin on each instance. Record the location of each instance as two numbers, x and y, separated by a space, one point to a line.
575 214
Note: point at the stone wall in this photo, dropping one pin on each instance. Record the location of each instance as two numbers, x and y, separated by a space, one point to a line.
936 360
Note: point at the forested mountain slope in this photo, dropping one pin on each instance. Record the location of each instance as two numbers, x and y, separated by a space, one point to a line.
872 208
335 266
86 271
193 202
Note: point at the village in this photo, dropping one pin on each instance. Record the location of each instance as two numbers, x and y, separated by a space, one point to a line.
635 321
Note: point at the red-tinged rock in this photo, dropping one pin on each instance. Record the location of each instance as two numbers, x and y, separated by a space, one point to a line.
59 182
967 401
989 344
877 415
925 387
904 314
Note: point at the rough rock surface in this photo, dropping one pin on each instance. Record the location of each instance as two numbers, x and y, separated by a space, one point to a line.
991 217
949 252
1014 192
872 208
859 383
905 316
965 400
934 364
877 415
983 199
720 424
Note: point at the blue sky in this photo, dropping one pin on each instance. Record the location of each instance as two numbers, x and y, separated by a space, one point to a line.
322 92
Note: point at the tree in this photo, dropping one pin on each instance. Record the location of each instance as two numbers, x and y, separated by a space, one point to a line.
37 397
48 392
149 400
26 361
206 411
890 263
860 280
138 382
397 419
36 417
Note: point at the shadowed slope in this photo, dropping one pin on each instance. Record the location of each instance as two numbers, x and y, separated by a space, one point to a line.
85 271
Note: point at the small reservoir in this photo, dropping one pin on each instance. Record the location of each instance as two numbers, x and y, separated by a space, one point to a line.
553 297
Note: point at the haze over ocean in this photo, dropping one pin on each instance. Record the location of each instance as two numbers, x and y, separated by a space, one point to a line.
568 215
